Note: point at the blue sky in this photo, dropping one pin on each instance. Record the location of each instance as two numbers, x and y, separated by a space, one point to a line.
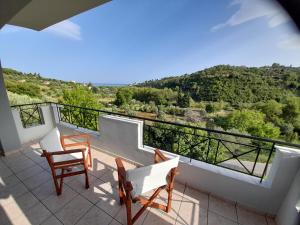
136 40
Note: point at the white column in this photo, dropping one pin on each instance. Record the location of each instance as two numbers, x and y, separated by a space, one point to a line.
289 212
9 137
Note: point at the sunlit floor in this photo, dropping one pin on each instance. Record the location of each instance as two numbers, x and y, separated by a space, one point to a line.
27 196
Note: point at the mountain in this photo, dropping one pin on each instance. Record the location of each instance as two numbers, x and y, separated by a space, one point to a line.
34 86
235 84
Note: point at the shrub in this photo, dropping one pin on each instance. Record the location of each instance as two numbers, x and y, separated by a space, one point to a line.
123 96
80 96
252 122
16 99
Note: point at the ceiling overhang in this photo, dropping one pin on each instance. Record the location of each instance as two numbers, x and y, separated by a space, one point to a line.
40 14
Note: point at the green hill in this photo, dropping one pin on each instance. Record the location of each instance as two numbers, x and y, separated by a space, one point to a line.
235 84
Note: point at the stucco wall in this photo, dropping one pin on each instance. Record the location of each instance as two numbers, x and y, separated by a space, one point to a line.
289 212
123 137
36 132
9 138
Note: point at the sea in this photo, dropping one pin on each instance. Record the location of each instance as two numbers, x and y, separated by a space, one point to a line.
109 85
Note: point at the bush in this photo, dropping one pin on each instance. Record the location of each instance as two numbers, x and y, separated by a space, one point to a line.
192 116
24 89
252 122
158 96
183 100
123 96
215 106
80 96
175 110
16 99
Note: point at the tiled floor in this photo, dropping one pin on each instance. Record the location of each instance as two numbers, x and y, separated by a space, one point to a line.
27 196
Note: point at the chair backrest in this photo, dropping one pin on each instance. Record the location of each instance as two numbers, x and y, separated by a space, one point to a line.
147 178
51 142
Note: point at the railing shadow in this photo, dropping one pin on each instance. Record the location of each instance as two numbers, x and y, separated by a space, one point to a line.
3 196
103 193
154 216
17 204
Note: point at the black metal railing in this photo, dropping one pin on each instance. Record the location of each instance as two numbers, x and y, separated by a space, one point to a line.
80 117
238 152
232 151
31 114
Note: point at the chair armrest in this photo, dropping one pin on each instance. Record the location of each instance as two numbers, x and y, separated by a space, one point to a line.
66 152
75 144
122 178
86 142
87 136
158 156
120 168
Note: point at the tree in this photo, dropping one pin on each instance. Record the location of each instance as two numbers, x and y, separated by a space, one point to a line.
123 96
235 84
83 97
80 96
291 110
183 99
272 108
252 122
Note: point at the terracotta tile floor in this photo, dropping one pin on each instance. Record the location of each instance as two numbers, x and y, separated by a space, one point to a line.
27 197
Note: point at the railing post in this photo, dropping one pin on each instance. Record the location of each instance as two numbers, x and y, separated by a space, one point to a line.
192 149
256 158
266 166
217 151
208 147
144 129
58 113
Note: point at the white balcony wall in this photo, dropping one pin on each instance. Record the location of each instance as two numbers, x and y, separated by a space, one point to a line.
289 212
124 137
35 132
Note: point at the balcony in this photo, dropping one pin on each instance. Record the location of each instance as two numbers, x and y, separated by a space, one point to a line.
257 185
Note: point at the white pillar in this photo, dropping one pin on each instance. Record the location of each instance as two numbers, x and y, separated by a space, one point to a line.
9 138
289 212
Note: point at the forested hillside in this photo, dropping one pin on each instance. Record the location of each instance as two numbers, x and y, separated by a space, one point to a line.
261 101
32 87
235 84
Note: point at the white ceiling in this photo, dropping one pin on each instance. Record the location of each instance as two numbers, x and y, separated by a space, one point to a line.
40 14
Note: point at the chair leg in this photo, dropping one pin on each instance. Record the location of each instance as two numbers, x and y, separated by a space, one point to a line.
147 204
87 185
170 194
90 158
86 174
57 188
121 192
128 211
61 181
56 184
170 188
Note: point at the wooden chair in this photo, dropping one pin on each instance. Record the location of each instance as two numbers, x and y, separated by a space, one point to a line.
133 183
62 159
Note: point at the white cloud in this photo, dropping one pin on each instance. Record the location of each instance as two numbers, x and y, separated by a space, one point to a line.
10 29
292 42
66 29
254 9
